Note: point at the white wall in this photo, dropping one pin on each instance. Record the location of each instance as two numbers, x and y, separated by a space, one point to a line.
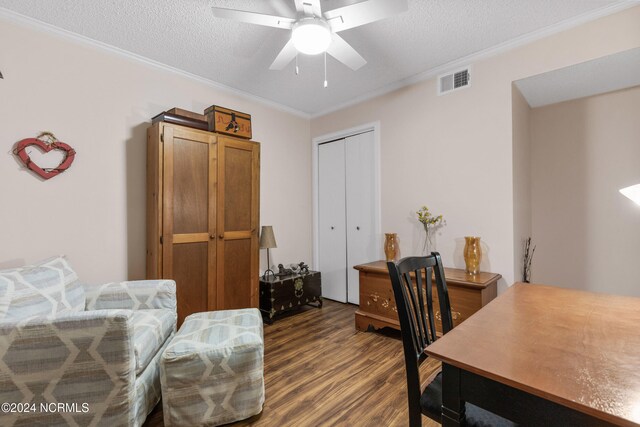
454 152
521 129
587 234
101 103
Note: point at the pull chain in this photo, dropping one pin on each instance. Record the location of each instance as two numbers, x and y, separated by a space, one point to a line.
297 69
325 70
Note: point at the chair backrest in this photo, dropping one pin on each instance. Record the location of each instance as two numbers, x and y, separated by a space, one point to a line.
412 288
411 279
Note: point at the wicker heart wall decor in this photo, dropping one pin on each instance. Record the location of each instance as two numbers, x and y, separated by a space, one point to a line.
47 142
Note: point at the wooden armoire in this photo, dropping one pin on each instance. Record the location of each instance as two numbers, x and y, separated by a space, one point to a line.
202 216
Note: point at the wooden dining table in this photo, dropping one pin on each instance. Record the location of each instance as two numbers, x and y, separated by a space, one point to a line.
545 355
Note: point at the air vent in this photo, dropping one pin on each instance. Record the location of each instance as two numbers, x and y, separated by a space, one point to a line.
453 81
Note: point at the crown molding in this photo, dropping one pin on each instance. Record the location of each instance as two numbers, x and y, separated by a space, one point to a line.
35 24
486 53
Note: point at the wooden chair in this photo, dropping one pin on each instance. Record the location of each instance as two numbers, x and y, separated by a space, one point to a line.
412 288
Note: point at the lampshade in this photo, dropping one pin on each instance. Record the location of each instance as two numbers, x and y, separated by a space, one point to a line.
632 193
311 36
267 239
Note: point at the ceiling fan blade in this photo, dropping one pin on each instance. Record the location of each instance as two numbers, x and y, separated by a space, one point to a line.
282 7
285 56
343 52
254 18
364 12
309 8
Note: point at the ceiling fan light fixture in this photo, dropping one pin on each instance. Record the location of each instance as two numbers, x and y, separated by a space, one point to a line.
311 36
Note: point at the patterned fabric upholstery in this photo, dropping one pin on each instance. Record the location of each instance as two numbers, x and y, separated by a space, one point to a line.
76 358
212 371
53 352
48 288
151 328
136 295
147 387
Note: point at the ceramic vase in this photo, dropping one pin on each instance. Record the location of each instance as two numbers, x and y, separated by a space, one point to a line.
472 254
391 246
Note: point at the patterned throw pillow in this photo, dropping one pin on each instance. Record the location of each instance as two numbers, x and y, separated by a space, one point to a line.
47 288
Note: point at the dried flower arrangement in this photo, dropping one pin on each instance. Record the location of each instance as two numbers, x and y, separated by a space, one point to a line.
526 260
430 222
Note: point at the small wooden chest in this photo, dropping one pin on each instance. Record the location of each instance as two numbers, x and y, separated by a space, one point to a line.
281 294
230 122
187 113
178 119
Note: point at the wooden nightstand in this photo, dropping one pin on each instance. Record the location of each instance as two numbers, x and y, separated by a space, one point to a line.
281 294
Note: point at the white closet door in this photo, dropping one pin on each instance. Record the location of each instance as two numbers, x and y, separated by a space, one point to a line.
362 239
332 244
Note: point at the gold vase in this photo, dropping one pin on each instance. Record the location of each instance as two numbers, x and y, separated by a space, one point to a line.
472 254
391 246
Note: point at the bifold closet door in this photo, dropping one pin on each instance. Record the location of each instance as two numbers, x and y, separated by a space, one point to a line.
362 242
347 233
332 240
188 224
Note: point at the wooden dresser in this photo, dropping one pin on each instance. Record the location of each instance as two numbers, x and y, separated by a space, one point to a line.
468 293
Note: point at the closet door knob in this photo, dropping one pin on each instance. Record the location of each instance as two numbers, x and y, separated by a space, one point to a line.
332 227
221 236
358 228
211 236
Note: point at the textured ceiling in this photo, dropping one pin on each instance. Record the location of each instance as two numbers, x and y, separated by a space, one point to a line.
185 35
606 74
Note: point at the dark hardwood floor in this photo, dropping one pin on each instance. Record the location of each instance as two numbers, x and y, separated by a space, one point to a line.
319 371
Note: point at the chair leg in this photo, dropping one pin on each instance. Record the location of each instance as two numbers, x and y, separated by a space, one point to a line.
413 393
415 413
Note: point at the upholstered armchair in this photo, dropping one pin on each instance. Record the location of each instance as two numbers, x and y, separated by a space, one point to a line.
73 354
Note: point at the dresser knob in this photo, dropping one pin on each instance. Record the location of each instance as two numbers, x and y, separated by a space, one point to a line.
221 236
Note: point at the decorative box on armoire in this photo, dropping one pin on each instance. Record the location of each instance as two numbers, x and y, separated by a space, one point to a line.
203 192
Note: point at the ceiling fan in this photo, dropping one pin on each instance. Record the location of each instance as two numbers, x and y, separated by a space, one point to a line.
314 32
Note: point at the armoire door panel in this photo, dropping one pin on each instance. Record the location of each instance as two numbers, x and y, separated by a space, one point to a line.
190 186
362 241
237 178
237 223
237 271
331 220
188 222
190 272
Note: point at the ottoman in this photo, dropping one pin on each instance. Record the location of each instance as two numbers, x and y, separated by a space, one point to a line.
212 370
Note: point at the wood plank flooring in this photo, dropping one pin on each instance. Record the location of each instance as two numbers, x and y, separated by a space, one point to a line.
319 371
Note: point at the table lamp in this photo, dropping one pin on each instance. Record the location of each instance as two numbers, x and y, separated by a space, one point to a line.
267 241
